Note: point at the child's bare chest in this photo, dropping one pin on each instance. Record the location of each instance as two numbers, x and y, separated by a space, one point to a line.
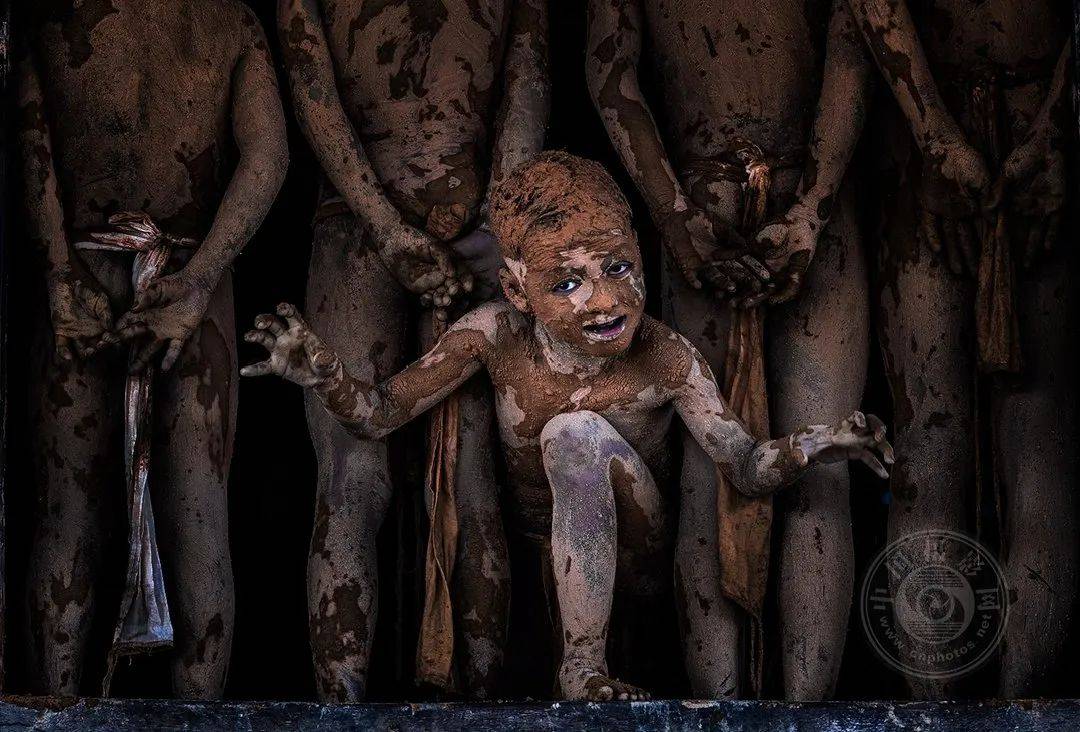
529 394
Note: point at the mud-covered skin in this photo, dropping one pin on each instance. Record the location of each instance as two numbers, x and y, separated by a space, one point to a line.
134 106
411 107
616 391
741 69
931 62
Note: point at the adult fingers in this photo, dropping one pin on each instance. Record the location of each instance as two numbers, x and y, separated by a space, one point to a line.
442 260
690 273
172 353
754 300
428 280
754 266
63 348
789 290
965 236
130 331
928 227
144 355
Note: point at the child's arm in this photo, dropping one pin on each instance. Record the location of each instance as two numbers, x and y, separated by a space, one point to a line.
759 467
366 410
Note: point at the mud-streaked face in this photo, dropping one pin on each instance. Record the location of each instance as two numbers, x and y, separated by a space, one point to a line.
588 289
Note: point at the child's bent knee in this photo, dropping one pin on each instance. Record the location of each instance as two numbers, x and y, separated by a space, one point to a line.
570 427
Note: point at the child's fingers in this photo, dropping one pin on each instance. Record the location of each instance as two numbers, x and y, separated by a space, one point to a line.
858 419
266 321
261 368
292 317
876 426
870 460
261 337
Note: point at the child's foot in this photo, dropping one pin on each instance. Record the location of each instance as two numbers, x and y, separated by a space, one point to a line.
584 684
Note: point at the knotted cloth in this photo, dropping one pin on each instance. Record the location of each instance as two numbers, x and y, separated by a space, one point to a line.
435 647
744 523
143 623
996 327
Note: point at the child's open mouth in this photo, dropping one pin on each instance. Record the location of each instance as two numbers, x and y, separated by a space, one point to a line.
605 329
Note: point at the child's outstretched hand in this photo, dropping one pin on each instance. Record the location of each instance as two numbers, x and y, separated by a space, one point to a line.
858 437
296 353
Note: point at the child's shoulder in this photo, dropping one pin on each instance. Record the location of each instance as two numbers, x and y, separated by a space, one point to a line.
496 319
668 354
661 339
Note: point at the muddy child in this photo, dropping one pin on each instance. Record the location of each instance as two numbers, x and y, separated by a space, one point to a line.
587 389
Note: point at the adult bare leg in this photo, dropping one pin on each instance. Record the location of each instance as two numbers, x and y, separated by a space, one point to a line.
195 416
587 462
710 621
361 312
816 361
482 574
75 411
1035 431
927 341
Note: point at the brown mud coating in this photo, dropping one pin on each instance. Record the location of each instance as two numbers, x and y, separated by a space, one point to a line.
587 388
413 108
731 72
137 105
937 63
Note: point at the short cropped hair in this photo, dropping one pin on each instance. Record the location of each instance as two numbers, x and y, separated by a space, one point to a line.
551 191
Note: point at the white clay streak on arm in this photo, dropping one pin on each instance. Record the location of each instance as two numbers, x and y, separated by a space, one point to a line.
612 55
526 102
322 116
756 467
890 32
374 411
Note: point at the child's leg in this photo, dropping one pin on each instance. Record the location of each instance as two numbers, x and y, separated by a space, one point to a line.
587 462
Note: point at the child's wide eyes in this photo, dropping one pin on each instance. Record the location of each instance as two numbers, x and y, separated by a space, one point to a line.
618 269
565 287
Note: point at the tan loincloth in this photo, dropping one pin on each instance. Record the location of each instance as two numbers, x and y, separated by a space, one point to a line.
435 646
745 524
143 623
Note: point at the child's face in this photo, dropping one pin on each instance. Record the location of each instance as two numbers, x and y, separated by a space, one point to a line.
587 289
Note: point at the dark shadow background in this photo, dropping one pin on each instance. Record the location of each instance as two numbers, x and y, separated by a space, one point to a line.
273 470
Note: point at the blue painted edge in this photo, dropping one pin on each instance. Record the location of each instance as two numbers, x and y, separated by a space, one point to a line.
40 713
